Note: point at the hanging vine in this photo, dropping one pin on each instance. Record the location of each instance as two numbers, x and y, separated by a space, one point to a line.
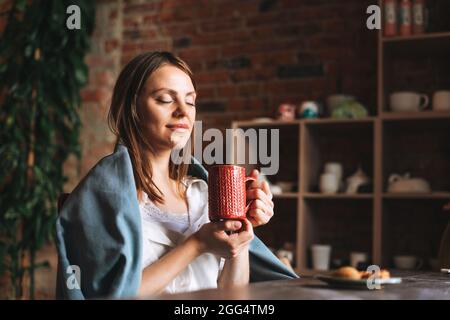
42 70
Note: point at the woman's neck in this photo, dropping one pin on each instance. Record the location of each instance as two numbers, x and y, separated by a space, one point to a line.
161 178
160 166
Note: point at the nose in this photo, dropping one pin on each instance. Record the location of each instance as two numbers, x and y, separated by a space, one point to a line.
180 110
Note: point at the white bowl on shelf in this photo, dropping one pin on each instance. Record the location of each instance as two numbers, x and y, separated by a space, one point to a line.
286 186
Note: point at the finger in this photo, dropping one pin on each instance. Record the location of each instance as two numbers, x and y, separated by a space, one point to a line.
246 235
233 225
253 221
259 204
261 195
255 173
266 189
228 225
256 183
260 213
258 217
246 226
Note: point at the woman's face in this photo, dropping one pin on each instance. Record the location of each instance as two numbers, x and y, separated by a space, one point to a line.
167 108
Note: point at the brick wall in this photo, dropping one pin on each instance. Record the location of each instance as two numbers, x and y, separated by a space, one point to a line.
248 56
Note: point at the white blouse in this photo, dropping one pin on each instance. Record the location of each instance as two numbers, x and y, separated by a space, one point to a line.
162 231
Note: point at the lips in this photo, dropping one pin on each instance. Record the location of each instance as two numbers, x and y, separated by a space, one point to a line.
178 126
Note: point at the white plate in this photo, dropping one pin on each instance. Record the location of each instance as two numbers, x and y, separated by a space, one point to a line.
351 283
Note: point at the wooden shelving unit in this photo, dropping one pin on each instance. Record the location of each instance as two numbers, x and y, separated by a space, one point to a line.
392 116
311 195
412 196
289 195
380 223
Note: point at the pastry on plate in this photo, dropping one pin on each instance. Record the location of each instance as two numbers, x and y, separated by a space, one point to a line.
351 273
384 274
347 273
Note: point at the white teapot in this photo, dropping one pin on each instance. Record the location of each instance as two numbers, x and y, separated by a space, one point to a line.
354 181
406 184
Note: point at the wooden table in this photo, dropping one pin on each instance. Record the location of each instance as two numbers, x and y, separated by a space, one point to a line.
415 285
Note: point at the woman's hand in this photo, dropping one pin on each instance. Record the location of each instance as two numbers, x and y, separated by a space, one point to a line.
261 209
212 237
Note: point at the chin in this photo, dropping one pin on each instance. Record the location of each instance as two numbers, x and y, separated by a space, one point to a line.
178 142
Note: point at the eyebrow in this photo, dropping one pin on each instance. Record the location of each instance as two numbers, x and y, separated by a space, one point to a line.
171 91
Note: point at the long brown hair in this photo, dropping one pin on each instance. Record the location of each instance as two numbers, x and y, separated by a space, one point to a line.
124 121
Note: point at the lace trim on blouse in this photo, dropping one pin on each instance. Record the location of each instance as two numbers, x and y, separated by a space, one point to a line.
178 222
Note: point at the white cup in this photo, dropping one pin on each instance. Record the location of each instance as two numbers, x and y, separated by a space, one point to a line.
441 101
407 262
356 258
334 167
329 183
321 257
408 101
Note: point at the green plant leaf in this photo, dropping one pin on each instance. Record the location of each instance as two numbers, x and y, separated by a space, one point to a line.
27 206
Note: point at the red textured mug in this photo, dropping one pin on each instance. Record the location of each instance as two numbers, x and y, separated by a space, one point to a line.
227 192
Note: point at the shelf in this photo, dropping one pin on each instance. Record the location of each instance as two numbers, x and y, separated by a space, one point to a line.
325 121
417 45
273 123
312 195
418 37
390 116
289 195
412 196
346 225
412 228
315 121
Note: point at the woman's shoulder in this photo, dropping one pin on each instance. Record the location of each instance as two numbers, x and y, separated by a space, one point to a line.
112 173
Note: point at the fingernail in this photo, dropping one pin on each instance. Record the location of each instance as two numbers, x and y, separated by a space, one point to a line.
237 224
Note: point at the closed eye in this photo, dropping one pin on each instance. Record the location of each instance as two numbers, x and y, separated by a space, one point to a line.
164 101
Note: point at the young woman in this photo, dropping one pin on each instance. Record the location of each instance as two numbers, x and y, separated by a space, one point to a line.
152 114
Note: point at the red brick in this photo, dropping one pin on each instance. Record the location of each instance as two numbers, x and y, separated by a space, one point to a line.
237 9
155 45
132 22
263 19
198 53
104 78
130 46
111 45
249 90
206 39
113 15
206 11
97 61
183 3
206 92
132 8
264 59
91 95
178 29
151 19
221 24
209 78
244 75
246 104
283 87
177 14
227 91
